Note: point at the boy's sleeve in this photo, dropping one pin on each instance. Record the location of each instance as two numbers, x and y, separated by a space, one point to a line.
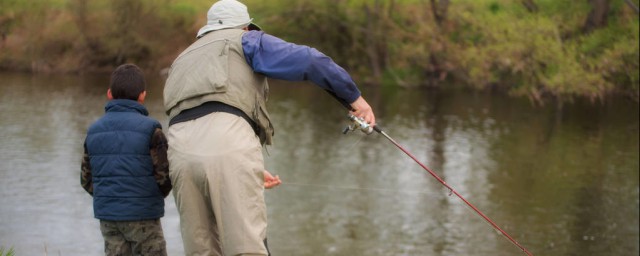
158 149
86 179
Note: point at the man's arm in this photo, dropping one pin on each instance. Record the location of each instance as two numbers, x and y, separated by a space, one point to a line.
158 150
86 179
279 59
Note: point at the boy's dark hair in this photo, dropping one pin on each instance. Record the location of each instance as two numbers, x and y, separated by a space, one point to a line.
127 82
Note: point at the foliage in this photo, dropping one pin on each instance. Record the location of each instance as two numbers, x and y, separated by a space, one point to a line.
613 54
483 43
486 44
10 252
534 63
83 35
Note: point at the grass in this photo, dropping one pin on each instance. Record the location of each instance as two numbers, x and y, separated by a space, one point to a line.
10 252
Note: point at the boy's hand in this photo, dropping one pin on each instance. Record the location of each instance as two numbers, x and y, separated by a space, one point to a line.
271 181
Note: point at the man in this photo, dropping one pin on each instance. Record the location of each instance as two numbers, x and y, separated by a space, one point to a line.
215 97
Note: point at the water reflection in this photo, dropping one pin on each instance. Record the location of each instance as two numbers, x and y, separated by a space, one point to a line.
560 182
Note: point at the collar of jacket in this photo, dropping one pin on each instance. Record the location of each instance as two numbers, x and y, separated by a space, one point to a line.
122 105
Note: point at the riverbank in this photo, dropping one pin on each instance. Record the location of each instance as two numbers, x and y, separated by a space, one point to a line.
541 50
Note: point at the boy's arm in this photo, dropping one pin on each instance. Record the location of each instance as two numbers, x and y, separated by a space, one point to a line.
86 179
158 152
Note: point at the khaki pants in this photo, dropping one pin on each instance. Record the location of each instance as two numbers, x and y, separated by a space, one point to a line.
216 169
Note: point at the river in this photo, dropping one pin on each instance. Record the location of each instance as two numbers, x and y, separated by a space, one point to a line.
560 182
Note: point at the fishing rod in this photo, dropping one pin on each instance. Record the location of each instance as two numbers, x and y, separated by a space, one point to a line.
359 124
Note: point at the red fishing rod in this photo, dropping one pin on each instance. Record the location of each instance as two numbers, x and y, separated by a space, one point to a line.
360 124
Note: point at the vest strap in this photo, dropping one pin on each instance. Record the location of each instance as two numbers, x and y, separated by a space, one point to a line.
208 108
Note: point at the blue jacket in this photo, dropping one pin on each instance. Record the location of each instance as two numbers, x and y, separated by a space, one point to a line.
124 188
279 59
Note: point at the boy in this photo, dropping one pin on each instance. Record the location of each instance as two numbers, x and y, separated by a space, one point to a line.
125 169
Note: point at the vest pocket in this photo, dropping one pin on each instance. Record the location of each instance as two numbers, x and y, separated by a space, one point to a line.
261 116
219 75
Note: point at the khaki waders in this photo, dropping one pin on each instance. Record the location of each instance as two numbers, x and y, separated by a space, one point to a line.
216 167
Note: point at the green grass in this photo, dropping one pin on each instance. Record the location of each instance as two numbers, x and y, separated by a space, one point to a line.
10 252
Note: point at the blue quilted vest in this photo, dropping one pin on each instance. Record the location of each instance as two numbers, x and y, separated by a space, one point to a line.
124 188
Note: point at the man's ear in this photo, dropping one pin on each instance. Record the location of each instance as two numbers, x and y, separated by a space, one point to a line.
141 97
109 96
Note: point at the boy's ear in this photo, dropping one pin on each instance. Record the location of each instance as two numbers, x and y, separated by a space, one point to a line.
141 97
109 96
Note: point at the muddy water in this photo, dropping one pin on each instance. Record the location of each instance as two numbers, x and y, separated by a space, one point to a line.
561 182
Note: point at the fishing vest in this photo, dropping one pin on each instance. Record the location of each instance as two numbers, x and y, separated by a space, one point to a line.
214 69
124 187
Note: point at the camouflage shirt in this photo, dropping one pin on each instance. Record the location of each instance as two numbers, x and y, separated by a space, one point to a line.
158 151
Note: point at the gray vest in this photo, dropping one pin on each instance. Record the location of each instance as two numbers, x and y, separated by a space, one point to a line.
214 69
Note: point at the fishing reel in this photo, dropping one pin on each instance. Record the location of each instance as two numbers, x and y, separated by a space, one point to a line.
358 123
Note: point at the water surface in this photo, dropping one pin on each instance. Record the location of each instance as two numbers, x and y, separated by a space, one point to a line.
561 182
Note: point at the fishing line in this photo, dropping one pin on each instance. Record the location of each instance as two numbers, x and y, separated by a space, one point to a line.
355 188
353 145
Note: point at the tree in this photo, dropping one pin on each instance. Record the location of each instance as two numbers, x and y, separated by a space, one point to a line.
633 6
530 5
439 9
598 16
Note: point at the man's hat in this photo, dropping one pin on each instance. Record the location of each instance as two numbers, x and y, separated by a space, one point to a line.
227 14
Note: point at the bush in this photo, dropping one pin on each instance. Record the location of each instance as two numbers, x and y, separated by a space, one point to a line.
486 44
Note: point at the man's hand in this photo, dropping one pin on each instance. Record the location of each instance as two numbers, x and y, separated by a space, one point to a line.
363 110
271 181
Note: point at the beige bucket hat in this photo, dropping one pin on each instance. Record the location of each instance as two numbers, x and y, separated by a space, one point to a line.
227 14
